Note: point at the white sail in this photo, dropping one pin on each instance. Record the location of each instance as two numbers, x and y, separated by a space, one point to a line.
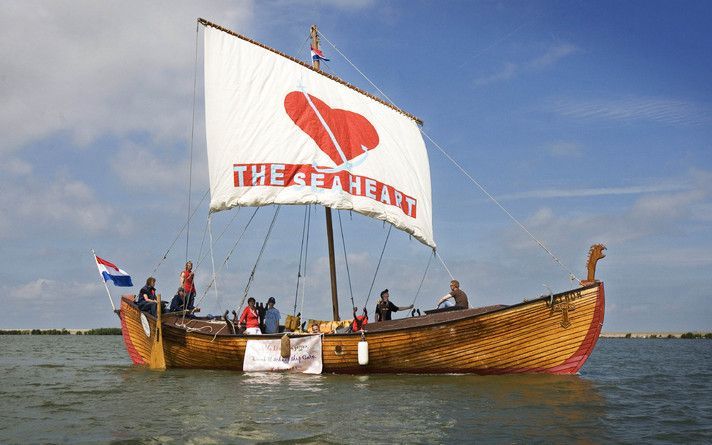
281 133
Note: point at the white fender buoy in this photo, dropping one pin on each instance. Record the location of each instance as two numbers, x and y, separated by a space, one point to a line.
363 351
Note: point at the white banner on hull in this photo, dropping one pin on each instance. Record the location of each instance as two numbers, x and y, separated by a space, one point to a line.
264 355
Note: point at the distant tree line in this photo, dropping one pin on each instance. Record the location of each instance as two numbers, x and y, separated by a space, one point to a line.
696 335
685 335
101 331
97 331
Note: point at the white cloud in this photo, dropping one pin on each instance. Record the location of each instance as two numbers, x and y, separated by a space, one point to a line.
565 148
89 69
661 110
511 70
343 4
598 191
680 257
15 167
553 55
43 290
142 166
653 213
61 204
508 71
74 304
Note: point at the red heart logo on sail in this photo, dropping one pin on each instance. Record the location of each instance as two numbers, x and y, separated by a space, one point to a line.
341 134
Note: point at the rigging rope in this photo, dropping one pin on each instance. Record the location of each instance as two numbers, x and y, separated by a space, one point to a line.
264 244
299 51
202 242
200 259
430 258
209 227
192 133
205 292
306 257
346 260
378 265
212 257
301 255
165 255
474 181
557 260
444 265
321 33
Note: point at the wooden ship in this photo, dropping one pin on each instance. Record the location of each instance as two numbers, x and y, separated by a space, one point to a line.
552 334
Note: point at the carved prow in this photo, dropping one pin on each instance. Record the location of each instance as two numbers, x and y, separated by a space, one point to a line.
594 254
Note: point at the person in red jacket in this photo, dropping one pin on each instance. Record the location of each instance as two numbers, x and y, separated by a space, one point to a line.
186 282
251 318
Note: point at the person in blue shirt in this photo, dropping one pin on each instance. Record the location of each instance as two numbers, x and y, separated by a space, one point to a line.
182 302
178 302
272 317
146 298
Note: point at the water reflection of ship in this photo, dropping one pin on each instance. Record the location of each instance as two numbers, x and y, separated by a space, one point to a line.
539 407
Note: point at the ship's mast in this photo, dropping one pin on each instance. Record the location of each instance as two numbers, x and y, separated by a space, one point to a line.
329 228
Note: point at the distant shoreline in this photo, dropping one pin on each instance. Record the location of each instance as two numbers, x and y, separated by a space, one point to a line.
659 334
95 331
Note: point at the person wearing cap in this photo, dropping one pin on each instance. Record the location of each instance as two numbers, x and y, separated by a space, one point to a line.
272 317
385 307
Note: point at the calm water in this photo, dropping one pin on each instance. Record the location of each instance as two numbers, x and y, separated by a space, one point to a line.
69 389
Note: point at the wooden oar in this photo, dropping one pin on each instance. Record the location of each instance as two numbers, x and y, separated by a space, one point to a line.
158 360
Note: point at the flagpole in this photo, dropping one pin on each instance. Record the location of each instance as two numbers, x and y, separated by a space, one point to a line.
314 33
111 300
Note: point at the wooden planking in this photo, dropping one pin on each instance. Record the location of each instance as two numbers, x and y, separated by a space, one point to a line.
439 344
130 348
527 337
446 345
139 341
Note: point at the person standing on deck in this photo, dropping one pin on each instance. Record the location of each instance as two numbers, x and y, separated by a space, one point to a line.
272 317
457 294
186 282
385 307
251 318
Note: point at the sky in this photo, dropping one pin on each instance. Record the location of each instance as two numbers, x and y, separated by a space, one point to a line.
588 121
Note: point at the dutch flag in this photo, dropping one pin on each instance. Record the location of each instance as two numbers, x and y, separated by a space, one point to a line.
317 54
109 271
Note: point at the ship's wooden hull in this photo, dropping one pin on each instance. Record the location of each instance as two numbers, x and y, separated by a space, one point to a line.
547 335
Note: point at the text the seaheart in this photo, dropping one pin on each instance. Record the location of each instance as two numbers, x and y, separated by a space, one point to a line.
288 175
